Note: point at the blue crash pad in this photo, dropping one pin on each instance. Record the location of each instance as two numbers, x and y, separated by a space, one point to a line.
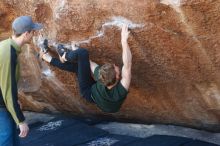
62 132
164 140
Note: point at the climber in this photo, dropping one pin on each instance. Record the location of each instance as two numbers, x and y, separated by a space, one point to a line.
106 88
10 110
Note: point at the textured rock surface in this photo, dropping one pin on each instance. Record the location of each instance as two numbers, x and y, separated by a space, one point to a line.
176 56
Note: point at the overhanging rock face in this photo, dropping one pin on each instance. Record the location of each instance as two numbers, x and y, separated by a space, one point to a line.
176 57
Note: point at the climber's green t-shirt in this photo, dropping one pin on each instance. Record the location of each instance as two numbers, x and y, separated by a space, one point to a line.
108 100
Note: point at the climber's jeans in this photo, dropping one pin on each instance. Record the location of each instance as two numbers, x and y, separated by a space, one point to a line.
80 59
8 132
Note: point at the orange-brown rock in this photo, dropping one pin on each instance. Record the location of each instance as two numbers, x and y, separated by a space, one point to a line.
176 57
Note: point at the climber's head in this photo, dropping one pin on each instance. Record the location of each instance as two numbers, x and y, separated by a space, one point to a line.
109 74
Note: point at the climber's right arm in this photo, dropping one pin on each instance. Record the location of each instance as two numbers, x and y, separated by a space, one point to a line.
126 58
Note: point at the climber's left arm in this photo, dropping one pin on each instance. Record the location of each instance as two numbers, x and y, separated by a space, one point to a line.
93 66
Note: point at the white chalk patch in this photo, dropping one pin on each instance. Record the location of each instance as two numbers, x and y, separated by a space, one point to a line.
47 72
38 40
61 8
51 126
115 21
106 141
119 21
98 35
171 2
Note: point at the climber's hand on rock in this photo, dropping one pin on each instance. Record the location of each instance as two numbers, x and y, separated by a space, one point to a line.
124 33
45 56
63 58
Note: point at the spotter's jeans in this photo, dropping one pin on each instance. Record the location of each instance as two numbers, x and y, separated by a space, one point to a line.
8 131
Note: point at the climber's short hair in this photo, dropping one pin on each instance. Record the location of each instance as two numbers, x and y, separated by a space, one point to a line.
107 74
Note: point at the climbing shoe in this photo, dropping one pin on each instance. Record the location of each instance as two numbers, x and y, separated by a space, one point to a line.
61 49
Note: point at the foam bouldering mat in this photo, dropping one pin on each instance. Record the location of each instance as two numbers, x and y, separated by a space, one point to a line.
199 143
163 140
62 132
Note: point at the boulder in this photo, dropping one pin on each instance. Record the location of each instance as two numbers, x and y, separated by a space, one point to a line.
176 57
